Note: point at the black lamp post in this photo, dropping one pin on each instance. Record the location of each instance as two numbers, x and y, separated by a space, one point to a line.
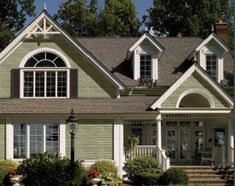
72 122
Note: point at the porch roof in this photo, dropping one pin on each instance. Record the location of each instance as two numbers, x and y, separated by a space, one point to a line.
123 105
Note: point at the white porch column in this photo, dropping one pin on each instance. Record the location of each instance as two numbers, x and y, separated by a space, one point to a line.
119 144
230 142
159 132
159 138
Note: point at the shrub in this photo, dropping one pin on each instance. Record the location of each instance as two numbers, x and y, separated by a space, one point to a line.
45 169
108 171
173 176
5 167
148 178
140 167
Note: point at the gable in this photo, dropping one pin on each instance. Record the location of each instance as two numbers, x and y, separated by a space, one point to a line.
195 85
44 27
91 82
194 81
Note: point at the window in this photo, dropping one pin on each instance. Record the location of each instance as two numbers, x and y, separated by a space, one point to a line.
211 66
145 66
45 75
31 139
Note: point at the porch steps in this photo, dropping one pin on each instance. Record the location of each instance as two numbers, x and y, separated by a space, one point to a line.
208 175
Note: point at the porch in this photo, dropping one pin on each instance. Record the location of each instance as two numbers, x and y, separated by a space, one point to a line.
185 139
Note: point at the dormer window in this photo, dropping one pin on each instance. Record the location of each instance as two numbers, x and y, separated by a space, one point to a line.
145 66
45 75
211 66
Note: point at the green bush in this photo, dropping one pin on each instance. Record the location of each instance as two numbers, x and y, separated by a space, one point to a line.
5 166
140 167
173 176
108 171
45 169
147 179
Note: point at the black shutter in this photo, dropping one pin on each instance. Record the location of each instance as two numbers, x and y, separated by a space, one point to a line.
15 83
73 83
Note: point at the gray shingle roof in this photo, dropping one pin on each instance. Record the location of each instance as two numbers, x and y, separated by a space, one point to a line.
125 104
112 53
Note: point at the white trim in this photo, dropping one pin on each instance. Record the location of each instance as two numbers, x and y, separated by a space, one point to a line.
14 44
9 141
183 78
62 139
194 111
39 50
119 144
196 91
206 41
139 41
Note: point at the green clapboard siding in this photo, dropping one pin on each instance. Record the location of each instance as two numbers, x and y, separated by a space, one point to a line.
194 82
91 82
2 141
94 140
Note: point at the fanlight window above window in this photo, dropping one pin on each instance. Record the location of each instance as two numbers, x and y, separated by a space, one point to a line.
45 75
45 59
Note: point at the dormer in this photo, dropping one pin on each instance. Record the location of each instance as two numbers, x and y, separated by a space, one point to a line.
210 56
145 54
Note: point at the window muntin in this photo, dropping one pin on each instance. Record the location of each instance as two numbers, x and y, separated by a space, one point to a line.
211 66
30 139
45 75
145 66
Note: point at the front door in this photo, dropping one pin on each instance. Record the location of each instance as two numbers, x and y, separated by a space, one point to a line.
177 143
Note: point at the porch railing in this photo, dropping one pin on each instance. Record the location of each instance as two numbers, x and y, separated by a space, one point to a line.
149 150
141 150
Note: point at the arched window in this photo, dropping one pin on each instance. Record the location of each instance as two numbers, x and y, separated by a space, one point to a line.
45 74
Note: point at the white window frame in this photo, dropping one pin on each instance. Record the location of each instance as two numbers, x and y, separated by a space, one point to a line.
216 64
56 70
145 55
10 139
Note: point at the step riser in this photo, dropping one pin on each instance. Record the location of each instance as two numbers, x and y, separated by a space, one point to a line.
208 176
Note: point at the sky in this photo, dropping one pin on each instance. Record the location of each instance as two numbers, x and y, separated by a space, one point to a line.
52 6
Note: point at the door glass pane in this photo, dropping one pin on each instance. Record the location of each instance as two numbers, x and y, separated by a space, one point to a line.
171 143
36 139
52 143
198 141
184 144
20 141
219 137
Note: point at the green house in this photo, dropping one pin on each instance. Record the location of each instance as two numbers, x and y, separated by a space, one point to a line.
169 92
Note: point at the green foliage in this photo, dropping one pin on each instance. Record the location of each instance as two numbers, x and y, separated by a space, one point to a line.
12 18
132 142
148 178
84 18
173 176
137 168
187 18
45 169
5 166
108 171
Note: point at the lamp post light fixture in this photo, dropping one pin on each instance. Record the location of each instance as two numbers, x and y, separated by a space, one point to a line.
72 122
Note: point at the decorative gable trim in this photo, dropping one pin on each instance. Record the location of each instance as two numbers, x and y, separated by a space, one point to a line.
214 37
184 77
147 36
44 25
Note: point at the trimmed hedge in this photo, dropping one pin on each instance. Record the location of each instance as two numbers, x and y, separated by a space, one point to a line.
173 176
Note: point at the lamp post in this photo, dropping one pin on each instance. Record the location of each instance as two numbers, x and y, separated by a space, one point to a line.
72 122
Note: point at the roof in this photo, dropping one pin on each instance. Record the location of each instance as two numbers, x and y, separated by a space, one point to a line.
123 105
111 51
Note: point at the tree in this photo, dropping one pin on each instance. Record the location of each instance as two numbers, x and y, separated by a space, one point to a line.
119 19
187 17
77 18
12 18
84 18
